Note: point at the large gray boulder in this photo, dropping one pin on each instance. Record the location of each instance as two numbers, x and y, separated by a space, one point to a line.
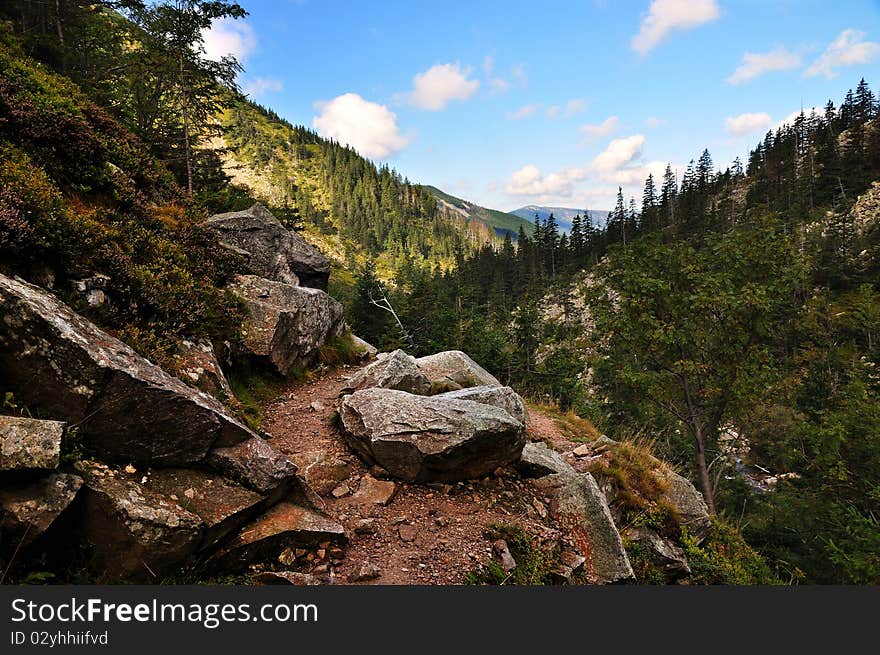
28 509
502 397
688 502
126 407
418 438
580 511
452 370
286 325
395 370
272 251
27 443
539 460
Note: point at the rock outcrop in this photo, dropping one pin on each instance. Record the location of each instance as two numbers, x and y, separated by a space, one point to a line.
27 444
28 509
502 397
271 250
422 439
688 502
395 370
286 325
126 407
453 370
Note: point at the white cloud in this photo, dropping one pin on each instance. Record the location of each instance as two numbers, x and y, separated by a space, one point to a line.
440 85
609 126
653 121
553 112
575 106
526 111
498 85
369 128
619 154
756 64
847 49
529 181
229 37
747 123
636 175
666 16
788 120
263 85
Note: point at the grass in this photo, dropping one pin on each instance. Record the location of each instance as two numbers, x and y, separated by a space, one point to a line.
254 389
534 566
573 427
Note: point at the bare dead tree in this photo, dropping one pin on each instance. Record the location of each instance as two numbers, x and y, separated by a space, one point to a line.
385 304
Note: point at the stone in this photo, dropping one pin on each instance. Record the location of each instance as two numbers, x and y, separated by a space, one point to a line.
322 471
502 553
502 397
538 460
27 443
256 464
602 443
582 451
407 533
286 325
222 505
579 509
28 509
452 370
195 362
395 370
136 534
663 553
271 250
126 408
365 348
285 525
374 492
428 439
317 406
689 503
365 526
340 491
92 289
367 571
289 578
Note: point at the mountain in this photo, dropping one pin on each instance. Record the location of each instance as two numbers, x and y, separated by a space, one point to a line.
501 221
563 215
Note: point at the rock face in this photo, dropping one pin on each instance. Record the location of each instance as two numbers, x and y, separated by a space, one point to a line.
272 251
27 510
136 533
453 370
126 407
196 364
579 509
395 370
29 444
425 439
689 502
502 397
286 324
538 460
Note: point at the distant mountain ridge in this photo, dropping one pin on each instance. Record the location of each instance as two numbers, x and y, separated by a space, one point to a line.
563 215
501 222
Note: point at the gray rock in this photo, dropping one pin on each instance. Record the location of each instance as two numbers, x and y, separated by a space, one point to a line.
689 503
429 439
502 553
29 444
365 526
666 555
374 492
395 370
272 251
195 362
136 534
126 407
579 509
502 397
286 325
367 349
538 460
452 370
321 471
582 451
285 525
28 509
367 571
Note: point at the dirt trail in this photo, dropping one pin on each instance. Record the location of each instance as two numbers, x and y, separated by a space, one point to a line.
426 534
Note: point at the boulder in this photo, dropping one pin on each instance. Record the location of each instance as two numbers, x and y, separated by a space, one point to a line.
374 492
538 460
429 439
28 509
395 370
321 471
502 397
284 526
579 510
367 349
272 251
453 370
136 534
29 444
690 504
126 407
286 325
195 362
663 553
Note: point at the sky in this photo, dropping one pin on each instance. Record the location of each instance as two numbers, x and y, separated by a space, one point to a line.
555 103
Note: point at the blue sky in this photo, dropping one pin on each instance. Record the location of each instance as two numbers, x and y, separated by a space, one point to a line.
514 103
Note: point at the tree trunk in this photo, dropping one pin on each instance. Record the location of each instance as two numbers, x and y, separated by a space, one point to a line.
703 471
186 137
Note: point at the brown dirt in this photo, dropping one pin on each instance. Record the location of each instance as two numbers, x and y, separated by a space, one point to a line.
427 534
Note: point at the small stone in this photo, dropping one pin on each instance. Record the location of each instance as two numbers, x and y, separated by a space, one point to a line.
287 557
374 492
190 493
407 533
341 490
539 508
321 554
131 470
502 552
317 406
368 571
582 451
365 526
441 521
